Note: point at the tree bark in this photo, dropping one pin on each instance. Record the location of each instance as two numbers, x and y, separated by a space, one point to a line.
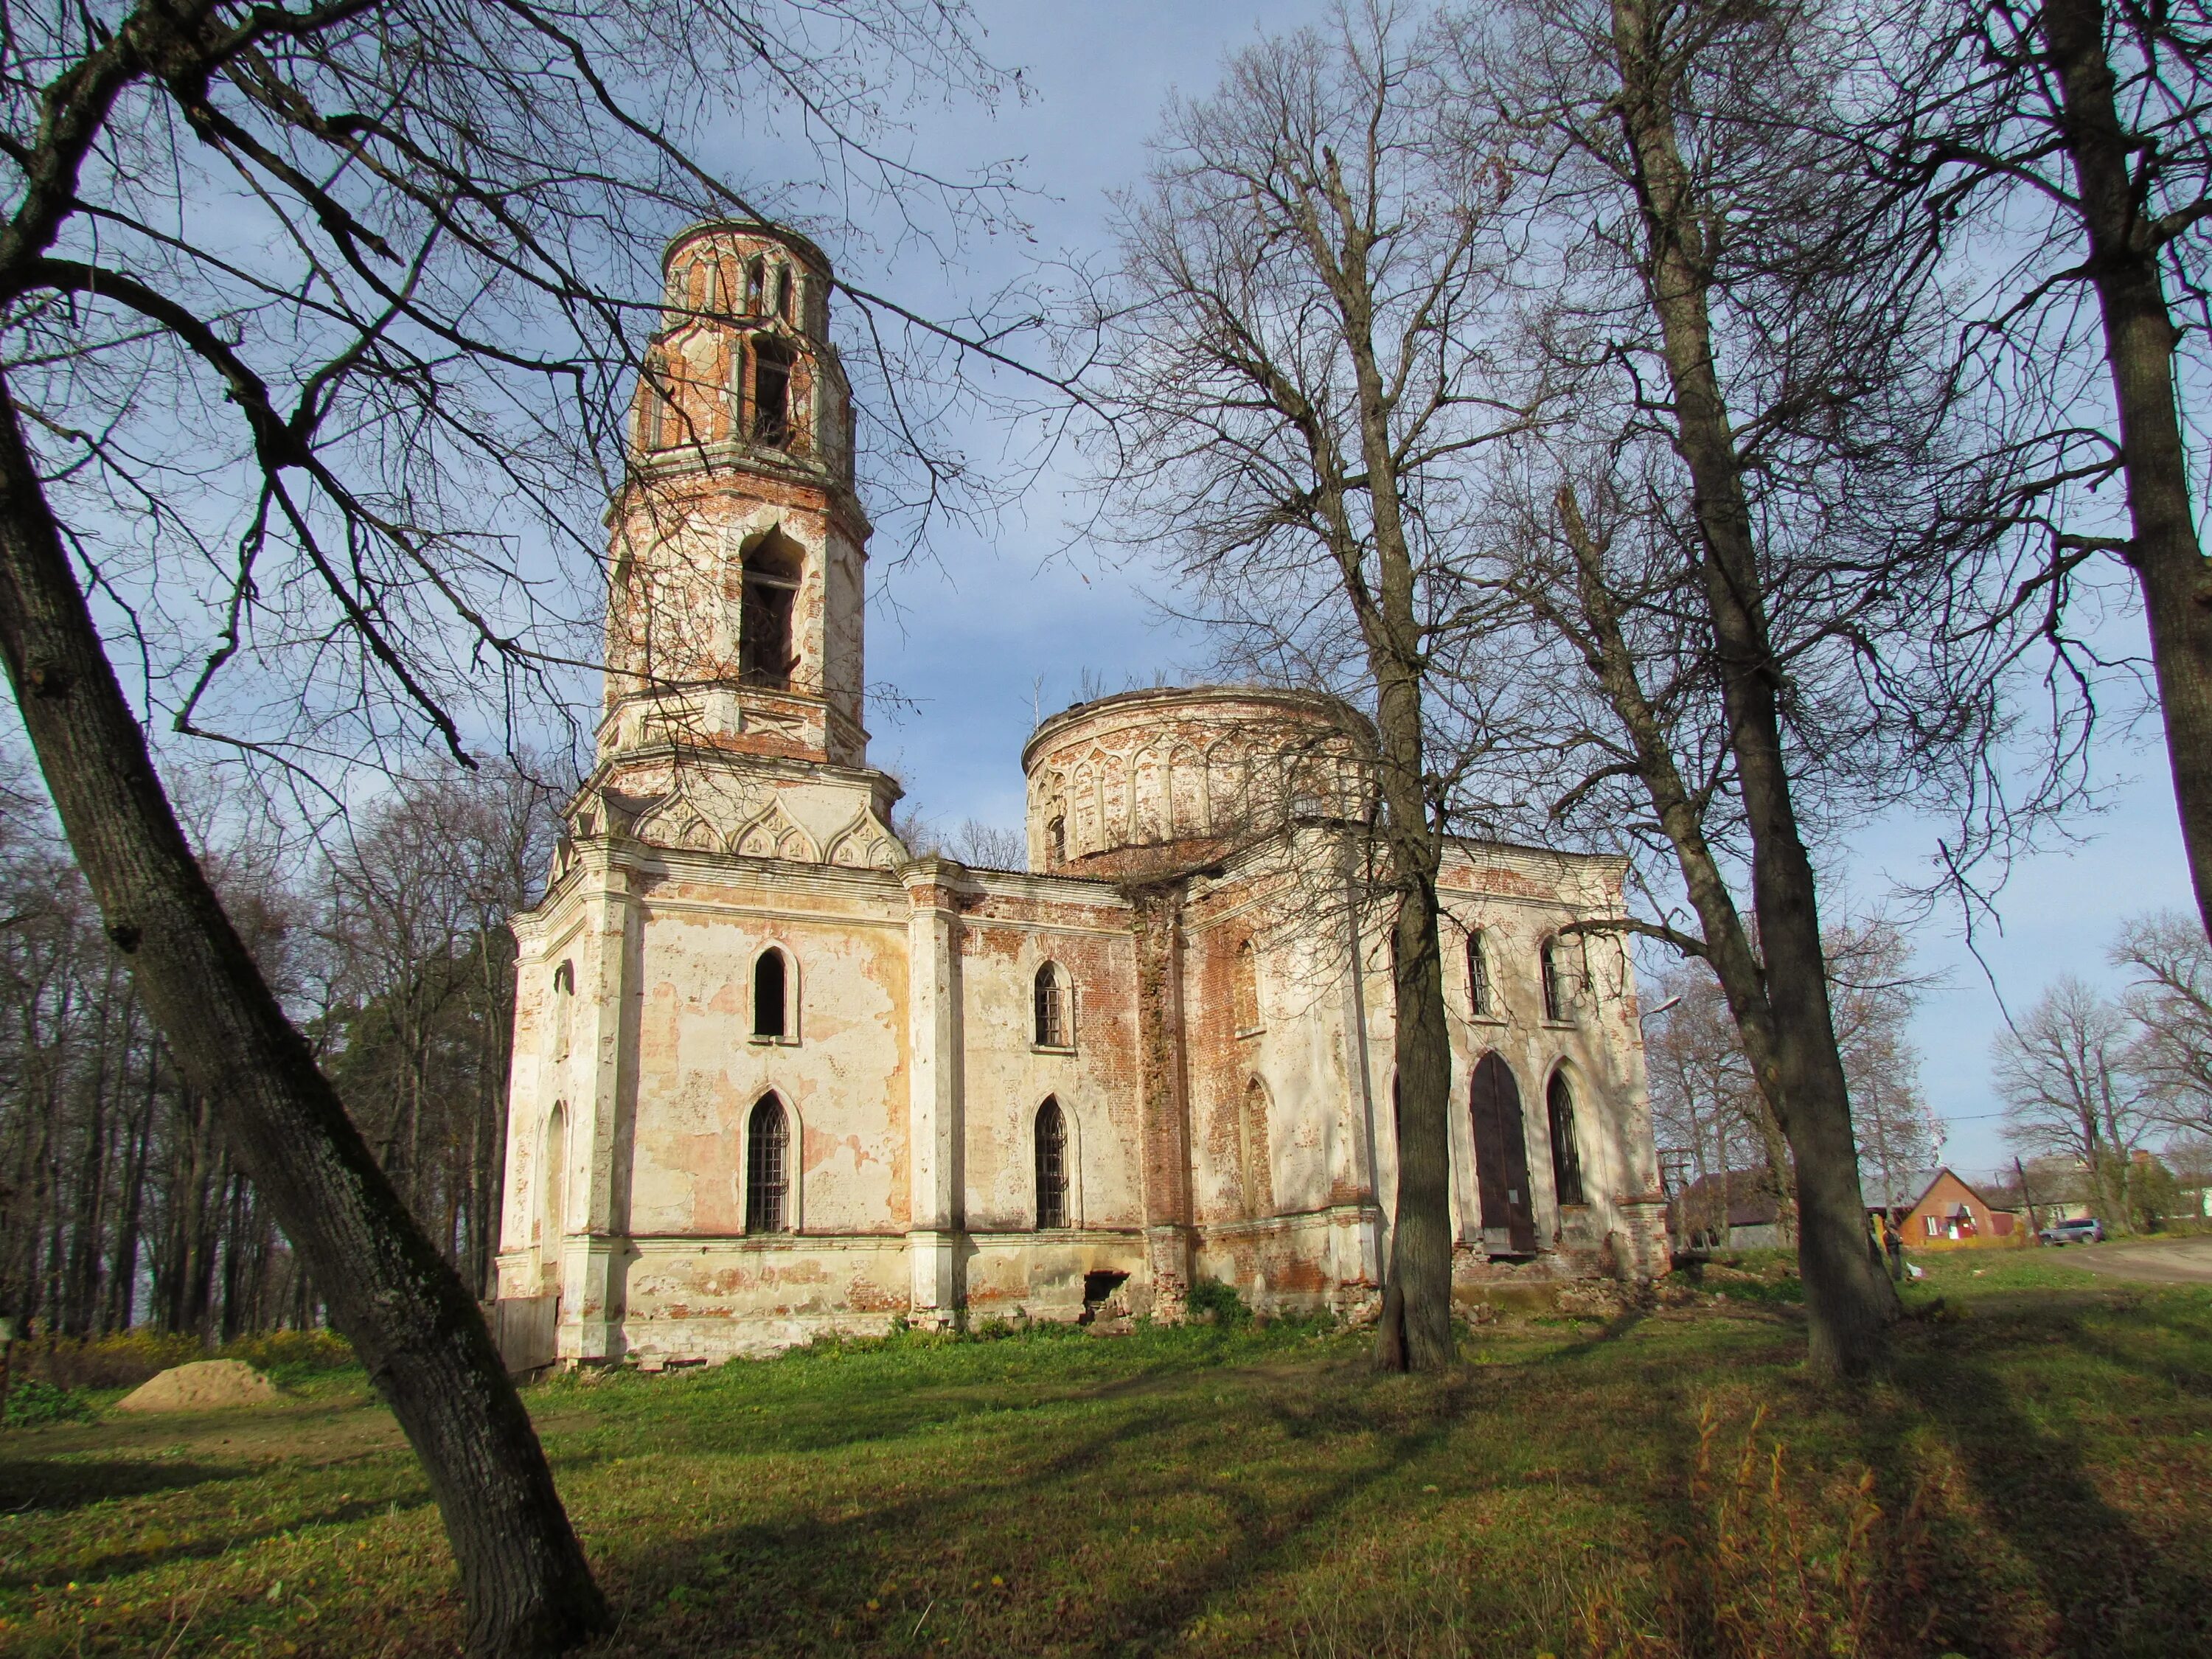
413 1325
1849 1300
2140 339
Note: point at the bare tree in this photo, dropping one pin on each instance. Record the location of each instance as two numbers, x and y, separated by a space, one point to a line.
417 891
2063 1071
1706 1101
2082 128
318 327
1876 994
1295 363
1705 1097
1731 543
2170 1000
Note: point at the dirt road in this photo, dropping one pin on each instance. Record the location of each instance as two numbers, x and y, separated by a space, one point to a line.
2176 1261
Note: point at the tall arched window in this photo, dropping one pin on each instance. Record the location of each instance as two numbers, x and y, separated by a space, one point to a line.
1246 991
771 391
768 1148
1051 1165
1567 1148
1258 1158
1479 998
1055 1029
783 287
770 578
755 286
1056 843
771 994
1550 966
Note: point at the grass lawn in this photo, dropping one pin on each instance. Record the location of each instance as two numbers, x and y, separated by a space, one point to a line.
2031 1479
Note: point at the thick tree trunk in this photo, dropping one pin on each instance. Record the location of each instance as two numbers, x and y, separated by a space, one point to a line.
1415 1331
413 1325
1849 1300
2140 337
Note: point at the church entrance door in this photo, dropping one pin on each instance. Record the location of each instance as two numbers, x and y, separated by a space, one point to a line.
1501 1159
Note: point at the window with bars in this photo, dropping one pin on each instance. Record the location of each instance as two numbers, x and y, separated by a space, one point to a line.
1553 971
1479 996
1054 1030
1566 1145
1051 1165
768 1149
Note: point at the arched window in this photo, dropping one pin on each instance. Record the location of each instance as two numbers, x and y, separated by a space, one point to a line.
1553 969
770 577
771 391
783 287
1479 998
1054 1030
768 1146
1055 842
1246 991
1051 1165
755 286
1566 1149
1258 1158
564 978
771 994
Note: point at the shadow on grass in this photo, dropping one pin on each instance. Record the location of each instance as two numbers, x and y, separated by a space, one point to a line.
38 1484
805 1587
2105 1589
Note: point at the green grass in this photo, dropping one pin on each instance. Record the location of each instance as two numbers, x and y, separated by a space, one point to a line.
2038 1458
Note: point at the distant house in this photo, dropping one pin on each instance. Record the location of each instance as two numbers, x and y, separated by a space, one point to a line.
1936 1210
1737 1208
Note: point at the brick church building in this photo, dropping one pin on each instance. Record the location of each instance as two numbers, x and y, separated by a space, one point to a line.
773 1075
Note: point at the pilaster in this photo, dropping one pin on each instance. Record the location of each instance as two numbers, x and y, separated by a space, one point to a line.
605 1034
934 1099
1164 1097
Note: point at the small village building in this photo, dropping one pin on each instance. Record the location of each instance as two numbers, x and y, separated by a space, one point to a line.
775 1075
1937 1211
1732 1209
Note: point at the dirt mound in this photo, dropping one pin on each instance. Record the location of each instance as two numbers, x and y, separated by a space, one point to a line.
203 1385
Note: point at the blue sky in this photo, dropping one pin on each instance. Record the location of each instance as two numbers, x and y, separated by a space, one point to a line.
1006 626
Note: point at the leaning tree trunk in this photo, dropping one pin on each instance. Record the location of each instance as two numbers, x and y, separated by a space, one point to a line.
1849 1300
2140 337
413 1323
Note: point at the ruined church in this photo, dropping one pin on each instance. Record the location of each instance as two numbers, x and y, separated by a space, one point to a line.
775 1074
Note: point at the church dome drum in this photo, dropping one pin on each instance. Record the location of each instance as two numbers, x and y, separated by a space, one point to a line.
1162 777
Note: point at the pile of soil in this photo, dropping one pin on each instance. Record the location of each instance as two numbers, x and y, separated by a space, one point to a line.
203 1385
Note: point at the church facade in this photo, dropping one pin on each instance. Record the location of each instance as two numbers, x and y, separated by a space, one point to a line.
775 1075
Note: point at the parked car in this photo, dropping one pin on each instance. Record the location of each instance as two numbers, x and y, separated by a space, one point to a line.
2082 1229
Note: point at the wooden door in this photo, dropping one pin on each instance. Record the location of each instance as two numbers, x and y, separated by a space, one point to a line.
1501 1156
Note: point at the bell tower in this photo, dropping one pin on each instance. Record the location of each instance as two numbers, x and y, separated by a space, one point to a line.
735 610
736 617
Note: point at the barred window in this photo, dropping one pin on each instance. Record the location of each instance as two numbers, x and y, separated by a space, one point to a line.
1566 1146
1478 974
1554 976
1051 1165
768 1145
1053 1028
